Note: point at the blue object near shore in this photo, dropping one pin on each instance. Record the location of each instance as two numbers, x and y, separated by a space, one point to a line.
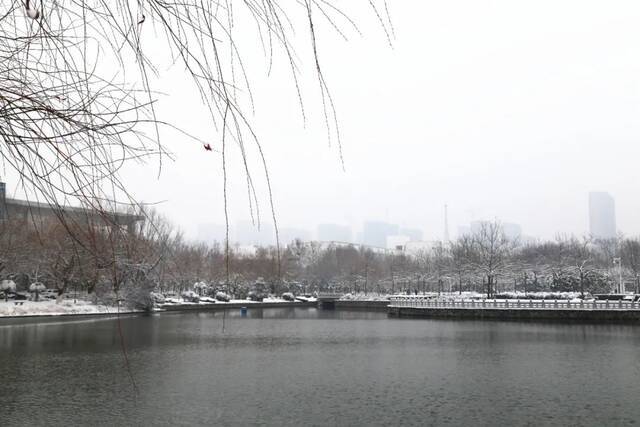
243 311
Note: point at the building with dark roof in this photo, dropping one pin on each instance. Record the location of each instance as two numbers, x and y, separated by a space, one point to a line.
38 212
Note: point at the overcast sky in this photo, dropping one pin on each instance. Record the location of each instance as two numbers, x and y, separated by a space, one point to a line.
505 109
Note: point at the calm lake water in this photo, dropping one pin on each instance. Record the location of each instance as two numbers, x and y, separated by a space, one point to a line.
304 366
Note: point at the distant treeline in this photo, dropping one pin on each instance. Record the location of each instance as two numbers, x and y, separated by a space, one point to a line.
111 262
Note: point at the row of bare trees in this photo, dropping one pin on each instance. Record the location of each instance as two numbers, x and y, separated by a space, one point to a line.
486 261
95 256
111 262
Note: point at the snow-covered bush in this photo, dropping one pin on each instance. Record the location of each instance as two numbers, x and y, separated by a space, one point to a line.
190 296
157 297
221 296
36 288
288 296
8 286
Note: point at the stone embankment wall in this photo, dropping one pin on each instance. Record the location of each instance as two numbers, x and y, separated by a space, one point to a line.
227 306
362 305
339 305
518 314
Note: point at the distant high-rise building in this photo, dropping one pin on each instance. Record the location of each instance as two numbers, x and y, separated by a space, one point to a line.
288 235
414 234
464 230
475 227
602 215
334 233
511 230
375 233
247 233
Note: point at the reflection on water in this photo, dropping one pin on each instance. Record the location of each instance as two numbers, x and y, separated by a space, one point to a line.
304 366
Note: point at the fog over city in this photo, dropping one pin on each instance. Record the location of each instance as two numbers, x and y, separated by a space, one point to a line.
500 109
319 212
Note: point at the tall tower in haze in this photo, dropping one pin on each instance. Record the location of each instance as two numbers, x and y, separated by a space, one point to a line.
602 215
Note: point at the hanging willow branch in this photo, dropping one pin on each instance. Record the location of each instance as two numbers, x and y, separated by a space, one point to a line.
76 95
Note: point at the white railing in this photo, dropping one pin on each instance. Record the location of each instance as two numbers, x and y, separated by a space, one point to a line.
515 304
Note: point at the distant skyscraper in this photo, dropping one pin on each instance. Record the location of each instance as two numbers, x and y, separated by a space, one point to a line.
288 235
511 230
476 226
464 230
248 233
414 234
334 233
375 233
602 215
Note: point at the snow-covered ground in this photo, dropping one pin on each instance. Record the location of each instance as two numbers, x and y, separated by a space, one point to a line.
270 299
306 299
53 308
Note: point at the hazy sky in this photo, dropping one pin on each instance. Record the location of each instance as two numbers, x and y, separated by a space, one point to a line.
505 109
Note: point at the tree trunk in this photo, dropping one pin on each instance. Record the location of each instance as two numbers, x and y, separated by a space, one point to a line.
488 286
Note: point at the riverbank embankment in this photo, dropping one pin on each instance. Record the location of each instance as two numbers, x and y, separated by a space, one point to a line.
30 309
518 314
339 305
236 305
379 305
594 311
52 308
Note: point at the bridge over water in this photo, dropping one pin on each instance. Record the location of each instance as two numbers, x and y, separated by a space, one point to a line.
327 301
